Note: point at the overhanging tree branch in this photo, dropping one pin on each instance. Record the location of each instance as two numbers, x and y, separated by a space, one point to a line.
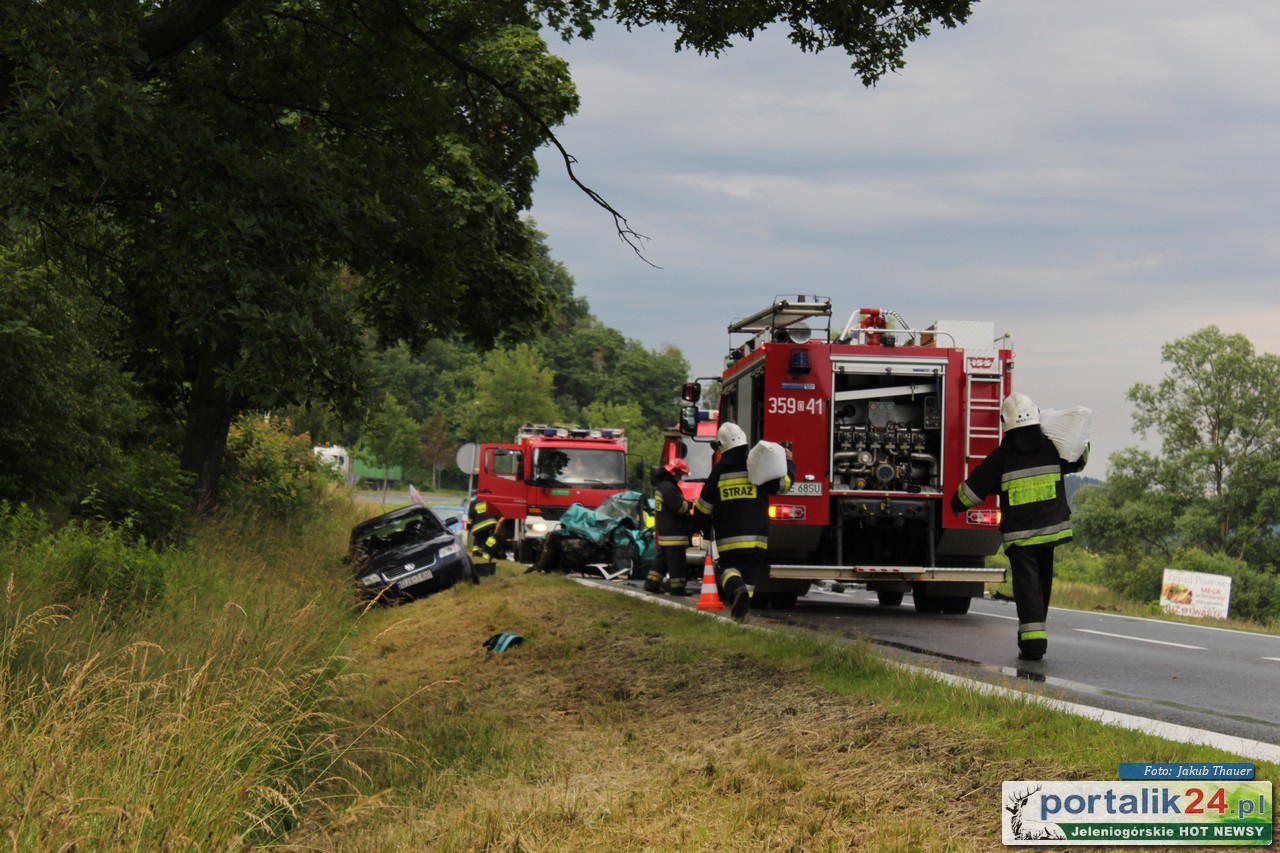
626 233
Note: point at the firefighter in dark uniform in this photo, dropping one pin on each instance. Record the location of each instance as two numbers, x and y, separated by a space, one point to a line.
1029 474
738 512
673 527
483 524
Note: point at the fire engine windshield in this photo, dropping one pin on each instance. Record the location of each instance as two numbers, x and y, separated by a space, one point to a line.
591 469
699 455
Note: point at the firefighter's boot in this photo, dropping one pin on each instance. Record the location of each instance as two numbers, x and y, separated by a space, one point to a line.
676 586
653 582
736 593
1033 641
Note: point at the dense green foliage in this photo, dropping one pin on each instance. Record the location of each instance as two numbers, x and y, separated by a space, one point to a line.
1210 500
63 409
99 566
272 472
216 207
248 204
272 475
76 437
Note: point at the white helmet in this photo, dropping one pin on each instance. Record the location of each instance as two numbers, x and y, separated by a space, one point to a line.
1017 410
729 436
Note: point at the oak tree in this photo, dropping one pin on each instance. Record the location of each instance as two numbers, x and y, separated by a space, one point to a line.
249 185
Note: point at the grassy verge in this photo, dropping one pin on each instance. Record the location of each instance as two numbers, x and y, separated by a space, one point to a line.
245 702
621 725
198 719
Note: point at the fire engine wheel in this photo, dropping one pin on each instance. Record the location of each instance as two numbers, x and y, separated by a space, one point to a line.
889 597
927 603
774 601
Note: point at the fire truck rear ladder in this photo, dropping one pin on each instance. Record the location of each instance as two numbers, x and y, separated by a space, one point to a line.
978 412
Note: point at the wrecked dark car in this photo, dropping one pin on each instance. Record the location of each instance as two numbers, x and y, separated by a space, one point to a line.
406 553
614 534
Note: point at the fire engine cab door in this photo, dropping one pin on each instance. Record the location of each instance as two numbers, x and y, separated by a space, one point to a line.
501 480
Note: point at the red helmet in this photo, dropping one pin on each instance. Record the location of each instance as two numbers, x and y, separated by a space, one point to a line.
678 466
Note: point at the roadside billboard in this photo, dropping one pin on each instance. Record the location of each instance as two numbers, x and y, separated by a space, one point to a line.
1195 594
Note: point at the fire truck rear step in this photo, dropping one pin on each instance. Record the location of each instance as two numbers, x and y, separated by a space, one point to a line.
903 573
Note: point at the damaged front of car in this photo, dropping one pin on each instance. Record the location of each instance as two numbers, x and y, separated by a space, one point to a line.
407 553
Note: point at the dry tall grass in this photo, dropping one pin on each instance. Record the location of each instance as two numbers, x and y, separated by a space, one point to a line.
201 722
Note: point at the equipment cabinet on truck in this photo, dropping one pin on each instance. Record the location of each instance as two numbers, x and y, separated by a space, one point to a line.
885 422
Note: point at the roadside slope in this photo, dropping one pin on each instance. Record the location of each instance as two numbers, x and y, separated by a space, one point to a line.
620 725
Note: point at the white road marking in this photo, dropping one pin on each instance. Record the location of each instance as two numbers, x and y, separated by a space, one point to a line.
994 615
1104 615
1271 658
1254 750
1139 639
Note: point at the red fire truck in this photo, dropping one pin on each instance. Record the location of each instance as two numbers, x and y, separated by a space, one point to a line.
533 481
885 422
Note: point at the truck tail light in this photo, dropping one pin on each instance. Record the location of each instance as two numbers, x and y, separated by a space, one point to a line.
988 517
786 512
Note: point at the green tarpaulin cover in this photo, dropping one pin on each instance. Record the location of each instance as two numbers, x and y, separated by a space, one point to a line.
618 524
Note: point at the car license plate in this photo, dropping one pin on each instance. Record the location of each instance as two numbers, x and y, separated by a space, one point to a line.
803 488
412 579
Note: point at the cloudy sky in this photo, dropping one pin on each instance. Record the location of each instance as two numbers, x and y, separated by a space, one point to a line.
1096 178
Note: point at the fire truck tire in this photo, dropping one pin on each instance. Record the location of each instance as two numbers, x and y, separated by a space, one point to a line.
783 600
927 603
889 597
957 605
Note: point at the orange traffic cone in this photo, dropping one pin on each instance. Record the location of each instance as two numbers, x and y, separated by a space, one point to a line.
710 598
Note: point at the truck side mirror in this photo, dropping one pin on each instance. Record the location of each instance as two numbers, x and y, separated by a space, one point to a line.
689 419
691 392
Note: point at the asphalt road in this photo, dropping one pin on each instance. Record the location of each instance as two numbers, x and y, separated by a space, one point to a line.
1201 677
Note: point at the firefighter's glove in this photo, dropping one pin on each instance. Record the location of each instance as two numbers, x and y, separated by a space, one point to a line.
957 506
